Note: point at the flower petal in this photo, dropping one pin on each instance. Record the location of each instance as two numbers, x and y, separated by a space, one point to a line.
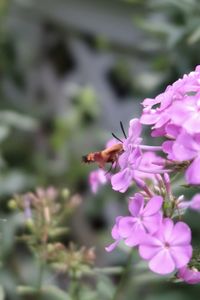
135 128
153 206
136 204
149 246
152 223
195 202
192 125
125 226
112 246
167 229
190 276
115 231
149 118
181 255
121 181
185 147
162 263
192 174
181 234
135 237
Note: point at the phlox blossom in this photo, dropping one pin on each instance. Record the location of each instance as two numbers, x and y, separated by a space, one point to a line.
169 248
182 94
129 160
96 179
144 219
133 163
175 114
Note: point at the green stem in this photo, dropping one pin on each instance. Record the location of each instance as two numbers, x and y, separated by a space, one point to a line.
42 263
74 288
123 280
109 270
40 275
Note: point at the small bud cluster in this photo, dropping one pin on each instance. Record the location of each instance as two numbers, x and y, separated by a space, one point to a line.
44 212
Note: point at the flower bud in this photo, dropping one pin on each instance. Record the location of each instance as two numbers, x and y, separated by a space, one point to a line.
65 193
12 204
29 224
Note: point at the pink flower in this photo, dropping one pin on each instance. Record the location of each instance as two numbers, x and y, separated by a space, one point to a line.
134 165
168 248
175 114
143 219
96 179
169 105
189 275
129 162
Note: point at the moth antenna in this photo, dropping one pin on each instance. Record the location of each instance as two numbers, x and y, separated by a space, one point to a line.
122 128
116 137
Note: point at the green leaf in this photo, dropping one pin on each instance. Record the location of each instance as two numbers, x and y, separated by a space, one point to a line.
8 227
17 120
88 294
2 294
54 293
194 37
105 288
15 181
46 293
4 132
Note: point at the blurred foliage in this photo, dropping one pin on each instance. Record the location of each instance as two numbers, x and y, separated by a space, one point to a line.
69 72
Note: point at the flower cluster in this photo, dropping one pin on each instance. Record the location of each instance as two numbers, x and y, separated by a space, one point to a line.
175 115
165 244
153 225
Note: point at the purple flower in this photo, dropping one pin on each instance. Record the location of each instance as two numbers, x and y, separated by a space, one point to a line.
96 179
178 104
143 219
130 159
189 275
168 248
129 162
175 114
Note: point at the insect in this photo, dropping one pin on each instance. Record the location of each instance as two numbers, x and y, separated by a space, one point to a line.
108 155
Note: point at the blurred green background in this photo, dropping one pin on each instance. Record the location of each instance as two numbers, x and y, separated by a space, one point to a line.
70 70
